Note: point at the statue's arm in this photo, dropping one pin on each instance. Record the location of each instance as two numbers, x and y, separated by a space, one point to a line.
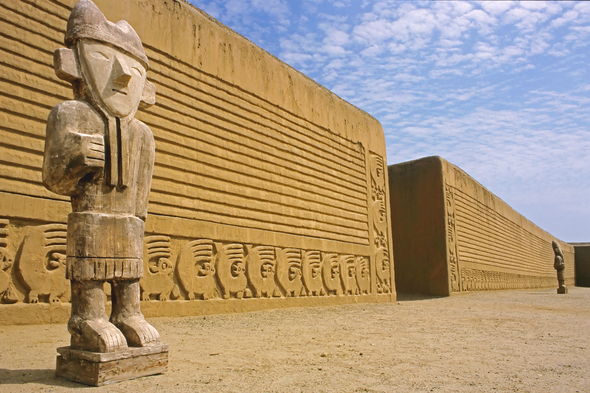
144 181
70 155
559 263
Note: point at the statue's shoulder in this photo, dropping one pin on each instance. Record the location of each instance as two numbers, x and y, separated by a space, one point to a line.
74 111
142 128
73 105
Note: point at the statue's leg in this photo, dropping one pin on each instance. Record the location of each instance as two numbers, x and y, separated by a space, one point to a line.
561 278
89 324
127 314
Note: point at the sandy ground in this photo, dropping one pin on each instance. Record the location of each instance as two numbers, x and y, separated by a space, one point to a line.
504 341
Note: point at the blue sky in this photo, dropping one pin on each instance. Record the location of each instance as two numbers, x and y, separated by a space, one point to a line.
501 89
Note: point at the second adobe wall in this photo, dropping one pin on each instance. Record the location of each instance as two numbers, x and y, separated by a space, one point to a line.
451 234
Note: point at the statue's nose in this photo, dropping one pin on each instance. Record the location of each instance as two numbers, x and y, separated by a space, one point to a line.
121 73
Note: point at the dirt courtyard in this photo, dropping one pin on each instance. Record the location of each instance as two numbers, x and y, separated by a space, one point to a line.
503 341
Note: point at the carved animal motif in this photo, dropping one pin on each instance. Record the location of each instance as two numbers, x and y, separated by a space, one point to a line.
7 291
311 269
42 264
331 273
348 274
196 269
380 230
5 263
231 270
261 270
383 270
363 275
289 271
158 269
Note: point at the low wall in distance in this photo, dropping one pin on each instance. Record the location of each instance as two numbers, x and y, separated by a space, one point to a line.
268 189
451 235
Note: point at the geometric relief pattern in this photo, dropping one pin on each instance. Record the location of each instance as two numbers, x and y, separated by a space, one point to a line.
485 280
453 251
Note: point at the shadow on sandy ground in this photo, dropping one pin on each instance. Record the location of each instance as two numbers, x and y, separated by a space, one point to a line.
411 297
25 376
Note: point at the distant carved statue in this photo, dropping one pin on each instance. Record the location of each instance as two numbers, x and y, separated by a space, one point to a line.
559 265
100 156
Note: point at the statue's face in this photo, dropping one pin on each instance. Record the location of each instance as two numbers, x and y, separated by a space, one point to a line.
115 78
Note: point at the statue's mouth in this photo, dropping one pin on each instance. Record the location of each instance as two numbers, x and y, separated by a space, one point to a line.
122 91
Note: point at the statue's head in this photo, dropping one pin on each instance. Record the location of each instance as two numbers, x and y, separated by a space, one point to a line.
105 61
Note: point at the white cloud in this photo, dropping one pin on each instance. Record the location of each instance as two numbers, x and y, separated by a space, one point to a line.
404 77
336 37
497 7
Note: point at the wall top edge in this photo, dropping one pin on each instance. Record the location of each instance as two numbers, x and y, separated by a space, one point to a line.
187 34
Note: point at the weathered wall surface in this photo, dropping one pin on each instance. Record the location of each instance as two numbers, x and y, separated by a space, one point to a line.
472 240
419 227
582 264
268 190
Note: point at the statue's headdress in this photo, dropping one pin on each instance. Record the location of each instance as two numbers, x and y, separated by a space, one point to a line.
87 21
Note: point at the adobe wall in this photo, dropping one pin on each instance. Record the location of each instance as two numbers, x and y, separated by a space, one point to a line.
582 264
256 165
451 234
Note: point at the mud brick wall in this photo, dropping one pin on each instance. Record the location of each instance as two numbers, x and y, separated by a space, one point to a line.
268 189
451 234
582 264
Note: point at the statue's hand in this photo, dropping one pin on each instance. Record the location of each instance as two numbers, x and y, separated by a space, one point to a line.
93 150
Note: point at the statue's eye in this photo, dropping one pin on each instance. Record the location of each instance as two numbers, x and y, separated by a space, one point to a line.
100 56
137 71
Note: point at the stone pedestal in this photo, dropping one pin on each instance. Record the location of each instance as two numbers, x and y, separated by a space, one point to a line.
562 290
97 369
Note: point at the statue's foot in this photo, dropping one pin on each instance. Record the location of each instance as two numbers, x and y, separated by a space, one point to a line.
138 332
98 335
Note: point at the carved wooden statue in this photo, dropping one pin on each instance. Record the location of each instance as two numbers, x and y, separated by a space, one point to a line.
559 265
100 156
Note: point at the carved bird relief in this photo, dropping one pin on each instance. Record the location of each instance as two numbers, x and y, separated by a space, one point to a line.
196 269
42 264
331 273
261 270
348 274
289 271
231 270
158 269
363 274
311 269
383 270
7 291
